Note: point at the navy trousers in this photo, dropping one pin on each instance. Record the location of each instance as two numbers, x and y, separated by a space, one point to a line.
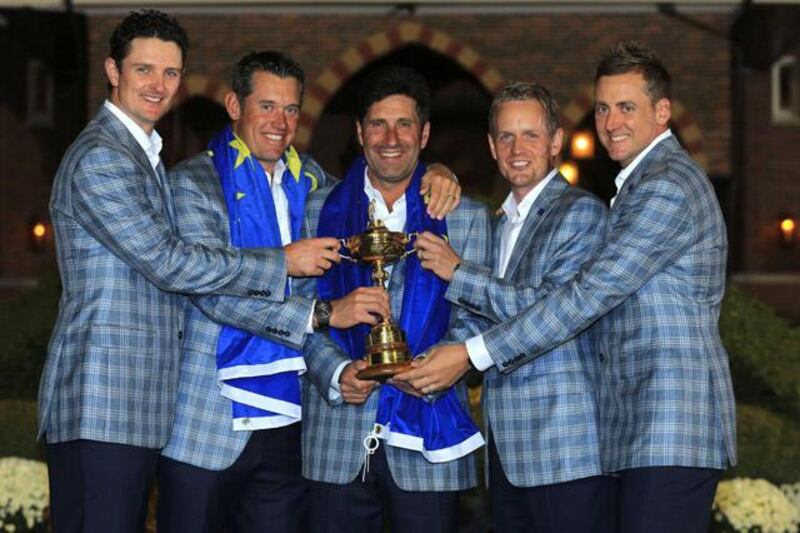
262 491
579 506
666 499
98 487
363 506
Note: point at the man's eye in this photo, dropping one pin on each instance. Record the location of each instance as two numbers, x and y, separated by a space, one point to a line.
292 111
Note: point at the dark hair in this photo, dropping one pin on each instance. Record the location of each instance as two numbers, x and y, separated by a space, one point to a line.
276 63
632 56
146 23
517 91
393 80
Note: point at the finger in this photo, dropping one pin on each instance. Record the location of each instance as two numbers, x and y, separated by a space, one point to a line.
328 242
438 199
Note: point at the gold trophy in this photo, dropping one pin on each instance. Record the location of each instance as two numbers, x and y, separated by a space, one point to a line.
387 351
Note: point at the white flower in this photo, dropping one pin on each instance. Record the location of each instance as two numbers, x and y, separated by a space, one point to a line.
24 491
755 503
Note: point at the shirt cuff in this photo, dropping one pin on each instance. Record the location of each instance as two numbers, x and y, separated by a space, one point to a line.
334 391
478 354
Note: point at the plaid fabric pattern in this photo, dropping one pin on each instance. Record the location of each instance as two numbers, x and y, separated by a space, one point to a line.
659 277
543 415
333 432
112 362
202 434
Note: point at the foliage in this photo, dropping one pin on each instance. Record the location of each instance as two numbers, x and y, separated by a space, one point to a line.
767 445
764 353
18 435
25 325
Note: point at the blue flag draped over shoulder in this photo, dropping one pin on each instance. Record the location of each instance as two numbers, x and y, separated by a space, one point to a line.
260 376
441 430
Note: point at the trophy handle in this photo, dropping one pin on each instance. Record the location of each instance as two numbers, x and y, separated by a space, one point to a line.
345 243
408 238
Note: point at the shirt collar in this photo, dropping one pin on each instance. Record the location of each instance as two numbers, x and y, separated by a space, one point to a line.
374 194
517 213
276 178
151 144
628 170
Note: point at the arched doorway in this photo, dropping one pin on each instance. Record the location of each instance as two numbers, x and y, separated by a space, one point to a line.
189 126
459 111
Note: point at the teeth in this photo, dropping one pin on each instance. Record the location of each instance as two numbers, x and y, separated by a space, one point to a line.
272 137
391 155
519 164
154 99
617 138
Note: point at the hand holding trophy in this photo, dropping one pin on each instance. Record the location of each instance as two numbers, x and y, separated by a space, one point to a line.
387 351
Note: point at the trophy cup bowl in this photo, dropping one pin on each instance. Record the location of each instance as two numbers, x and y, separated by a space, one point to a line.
387 351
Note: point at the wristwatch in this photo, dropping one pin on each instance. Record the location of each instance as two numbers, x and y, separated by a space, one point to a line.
322 313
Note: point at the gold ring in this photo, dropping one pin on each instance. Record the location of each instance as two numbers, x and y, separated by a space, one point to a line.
451 196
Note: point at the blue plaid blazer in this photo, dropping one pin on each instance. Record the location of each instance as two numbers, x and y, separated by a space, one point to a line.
202 434
112 363
657 282
543 415
333 431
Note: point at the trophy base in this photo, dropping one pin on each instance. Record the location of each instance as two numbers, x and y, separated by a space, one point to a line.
384 371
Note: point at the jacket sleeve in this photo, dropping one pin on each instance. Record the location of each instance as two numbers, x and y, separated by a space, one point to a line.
652 232
109 201
575 241
464 323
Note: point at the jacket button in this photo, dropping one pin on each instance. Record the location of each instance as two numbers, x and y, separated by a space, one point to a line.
602 357
251 292
462 301
180 335
267 293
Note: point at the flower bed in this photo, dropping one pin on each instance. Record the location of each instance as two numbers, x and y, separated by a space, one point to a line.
756 505
24 495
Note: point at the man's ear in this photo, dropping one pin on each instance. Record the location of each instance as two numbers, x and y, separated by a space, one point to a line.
557 142
663 112
359 133
232 105
426 133
491 146
112 72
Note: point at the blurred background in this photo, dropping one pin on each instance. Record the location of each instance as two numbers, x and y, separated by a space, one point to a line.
736 108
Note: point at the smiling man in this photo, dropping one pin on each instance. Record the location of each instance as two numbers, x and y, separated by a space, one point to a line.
107 393
232 462
541 416
375 451
666 402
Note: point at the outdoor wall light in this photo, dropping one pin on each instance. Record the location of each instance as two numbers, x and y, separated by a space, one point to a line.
570 171
38 233
787 230
582 145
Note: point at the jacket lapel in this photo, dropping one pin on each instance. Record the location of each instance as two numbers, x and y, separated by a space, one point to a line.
125 139
647 165
541 206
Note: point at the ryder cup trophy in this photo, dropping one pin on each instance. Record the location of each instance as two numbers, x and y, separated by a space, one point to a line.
387 351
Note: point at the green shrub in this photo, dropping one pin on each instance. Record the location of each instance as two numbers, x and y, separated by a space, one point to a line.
764 353
25 326
18 434
768 445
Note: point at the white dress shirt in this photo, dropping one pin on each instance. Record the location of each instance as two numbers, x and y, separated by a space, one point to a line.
394 220
516 214
151 144
628 170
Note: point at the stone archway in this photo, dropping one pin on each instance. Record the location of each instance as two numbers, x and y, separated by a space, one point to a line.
356 57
